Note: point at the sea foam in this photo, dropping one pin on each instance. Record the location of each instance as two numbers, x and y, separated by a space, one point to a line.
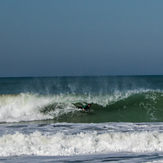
77 144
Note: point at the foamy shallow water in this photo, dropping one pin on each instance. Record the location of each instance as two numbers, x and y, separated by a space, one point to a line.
69 142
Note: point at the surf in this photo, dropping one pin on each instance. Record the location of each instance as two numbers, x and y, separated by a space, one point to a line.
129 106
61 144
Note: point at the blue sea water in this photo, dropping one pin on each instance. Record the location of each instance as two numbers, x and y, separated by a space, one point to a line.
40 121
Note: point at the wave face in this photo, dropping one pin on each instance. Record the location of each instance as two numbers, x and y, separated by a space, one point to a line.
113 99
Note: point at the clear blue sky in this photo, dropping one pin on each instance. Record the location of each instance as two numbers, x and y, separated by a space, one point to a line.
81 37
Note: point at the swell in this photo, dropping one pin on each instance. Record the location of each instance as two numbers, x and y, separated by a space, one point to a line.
129 106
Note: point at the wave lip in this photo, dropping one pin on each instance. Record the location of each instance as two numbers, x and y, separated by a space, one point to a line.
82 143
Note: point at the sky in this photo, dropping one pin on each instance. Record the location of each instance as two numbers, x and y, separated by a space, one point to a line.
81 37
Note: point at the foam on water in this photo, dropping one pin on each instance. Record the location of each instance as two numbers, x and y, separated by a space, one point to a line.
22 107
82 143
27 107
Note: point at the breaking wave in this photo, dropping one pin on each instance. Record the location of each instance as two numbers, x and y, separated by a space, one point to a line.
133 106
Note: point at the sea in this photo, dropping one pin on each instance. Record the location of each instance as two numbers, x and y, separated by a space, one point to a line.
40 120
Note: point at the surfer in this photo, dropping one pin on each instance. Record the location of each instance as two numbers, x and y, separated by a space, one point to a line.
85 107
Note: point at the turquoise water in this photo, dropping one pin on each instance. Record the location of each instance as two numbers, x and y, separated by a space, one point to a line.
40 117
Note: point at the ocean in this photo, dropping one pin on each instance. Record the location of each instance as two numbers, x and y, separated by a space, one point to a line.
40 120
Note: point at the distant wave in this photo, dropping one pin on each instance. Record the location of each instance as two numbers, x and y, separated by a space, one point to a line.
134 106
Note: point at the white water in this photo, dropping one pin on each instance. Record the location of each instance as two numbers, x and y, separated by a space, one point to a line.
27 107
79 139
83 143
